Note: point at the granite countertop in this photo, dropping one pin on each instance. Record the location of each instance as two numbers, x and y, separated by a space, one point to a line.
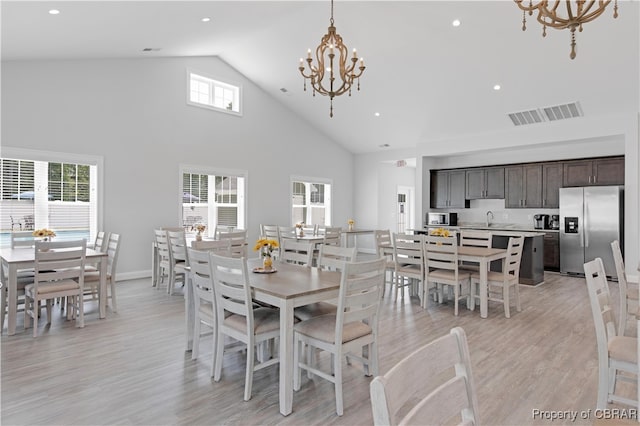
505 229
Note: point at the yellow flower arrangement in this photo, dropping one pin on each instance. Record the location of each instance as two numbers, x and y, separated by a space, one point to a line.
44 232
351 222
440 232
300 225
266 246
200 227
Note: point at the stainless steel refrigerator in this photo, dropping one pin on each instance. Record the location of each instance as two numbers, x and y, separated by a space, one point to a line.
590 219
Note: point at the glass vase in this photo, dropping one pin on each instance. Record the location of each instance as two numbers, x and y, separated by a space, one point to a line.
267 263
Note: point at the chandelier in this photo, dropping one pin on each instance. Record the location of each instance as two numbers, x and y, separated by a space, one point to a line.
332 76
578 12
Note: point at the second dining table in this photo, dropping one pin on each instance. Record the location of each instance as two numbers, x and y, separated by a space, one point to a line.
483 256
291 286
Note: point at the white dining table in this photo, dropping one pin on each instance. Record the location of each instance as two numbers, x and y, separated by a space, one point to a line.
289 287
483 256
14 259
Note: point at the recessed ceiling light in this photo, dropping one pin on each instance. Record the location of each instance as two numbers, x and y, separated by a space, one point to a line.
206 19
377 114
496 87
456 23
54 12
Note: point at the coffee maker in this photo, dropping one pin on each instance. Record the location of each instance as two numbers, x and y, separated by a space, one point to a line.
554 222
541 221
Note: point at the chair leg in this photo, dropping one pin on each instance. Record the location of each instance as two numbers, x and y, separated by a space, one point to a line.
297 373
517 293
114 305
219 358
196 338
80 308
35 311
49 309
505 297
214 342
337 366
248 380
456 295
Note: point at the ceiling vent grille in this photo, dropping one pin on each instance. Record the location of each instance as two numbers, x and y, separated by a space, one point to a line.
552 113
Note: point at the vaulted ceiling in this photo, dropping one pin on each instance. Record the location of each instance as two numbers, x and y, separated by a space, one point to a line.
427 79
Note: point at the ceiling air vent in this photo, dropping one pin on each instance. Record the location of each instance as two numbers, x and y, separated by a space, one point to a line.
552 113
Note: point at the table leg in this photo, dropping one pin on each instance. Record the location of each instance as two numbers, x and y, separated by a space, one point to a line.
286 357
103 287
189 310
484 265
13 299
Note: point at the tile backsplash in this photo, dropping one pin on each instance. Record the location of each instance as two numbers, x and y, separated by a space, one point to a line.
477 212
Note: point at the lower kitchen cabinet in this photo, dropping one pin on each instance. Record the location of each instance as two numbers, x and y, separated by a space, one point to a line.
531 265
552 251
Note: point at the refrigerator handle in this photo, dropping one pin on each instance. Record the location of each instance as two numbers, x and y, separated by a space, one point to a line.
585 225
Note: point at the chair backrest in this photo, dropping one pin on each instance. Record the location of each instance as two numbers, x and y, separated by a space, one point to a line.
100 243
238 239
332 236
162 245
408 250
231 288
59 260
201 280
286 231
310 230
622 285
178 246
601 305
221 247
222 229
300 252
514 256
333 257
438 376
475 238
113 248
22 239
361 287
29 222
441 253
269 232
383 241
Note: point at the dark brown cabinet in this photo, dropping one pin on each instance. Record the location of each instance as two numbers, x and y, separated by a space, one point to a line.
523 186
552 251
485 183
551 184
448 189
601 171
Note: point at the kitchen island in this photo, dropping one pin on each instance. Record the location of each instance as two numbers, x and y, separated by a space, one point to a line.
532 263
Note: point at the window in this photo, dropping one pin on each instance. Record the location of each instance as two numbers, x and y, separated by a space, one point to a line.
209 93
49 190
214 198
311 201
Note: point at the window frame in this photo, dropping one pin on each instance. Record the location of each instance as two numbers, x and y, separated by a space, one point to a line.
214 82
215 171
328 197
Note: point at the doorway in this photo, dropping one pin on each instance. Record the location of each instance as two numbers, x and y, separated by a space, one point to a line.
405 208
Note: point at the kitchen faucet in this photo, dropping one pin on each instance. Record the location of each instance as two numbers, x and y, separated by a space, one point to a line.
489 212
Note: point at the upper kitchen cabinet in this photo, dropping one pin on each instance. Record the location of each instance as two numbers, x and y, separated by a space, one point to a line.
600 171
523 186
551 184
485 183
448 189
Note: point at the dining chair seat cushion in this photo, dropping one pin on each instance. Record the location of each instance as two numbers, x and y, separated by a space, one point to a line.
90 276
53 287
408 269
624 348
632 293
313 310
264 320
491 276
446 274
324 328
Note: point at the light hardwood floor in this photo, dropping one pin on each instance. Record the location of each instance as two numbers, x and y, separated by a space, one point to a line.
131 368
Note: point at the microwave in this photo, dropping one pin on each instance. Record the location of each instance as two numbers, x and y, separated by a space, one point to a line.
443 219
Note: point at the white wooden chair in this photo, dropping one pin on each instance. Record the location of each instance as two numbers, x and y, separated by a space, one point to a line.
628 295
438 377
250 326
330 258
615 352
22 239
311 230
384 248
503 281
100 243
332 236
408 255
59 272
218 246
353 328
271 232
299 252
179 258
239 244
164 262
474 238
442 269
92 277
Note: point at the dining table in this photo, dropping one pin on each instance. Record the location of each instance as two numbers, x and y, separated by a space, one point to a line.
287 288
353 234
15 259
483 256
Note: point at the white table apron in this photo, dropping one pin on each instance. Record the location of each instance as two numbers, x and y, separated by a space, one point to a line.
484 257
24 258
327 289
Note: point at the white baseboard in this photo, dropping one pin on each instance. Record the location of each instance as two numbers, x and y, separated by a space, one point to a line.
135 275
632 278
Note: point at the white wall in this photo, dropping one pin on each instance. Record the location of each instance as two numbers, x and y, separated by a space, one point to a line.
134 114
